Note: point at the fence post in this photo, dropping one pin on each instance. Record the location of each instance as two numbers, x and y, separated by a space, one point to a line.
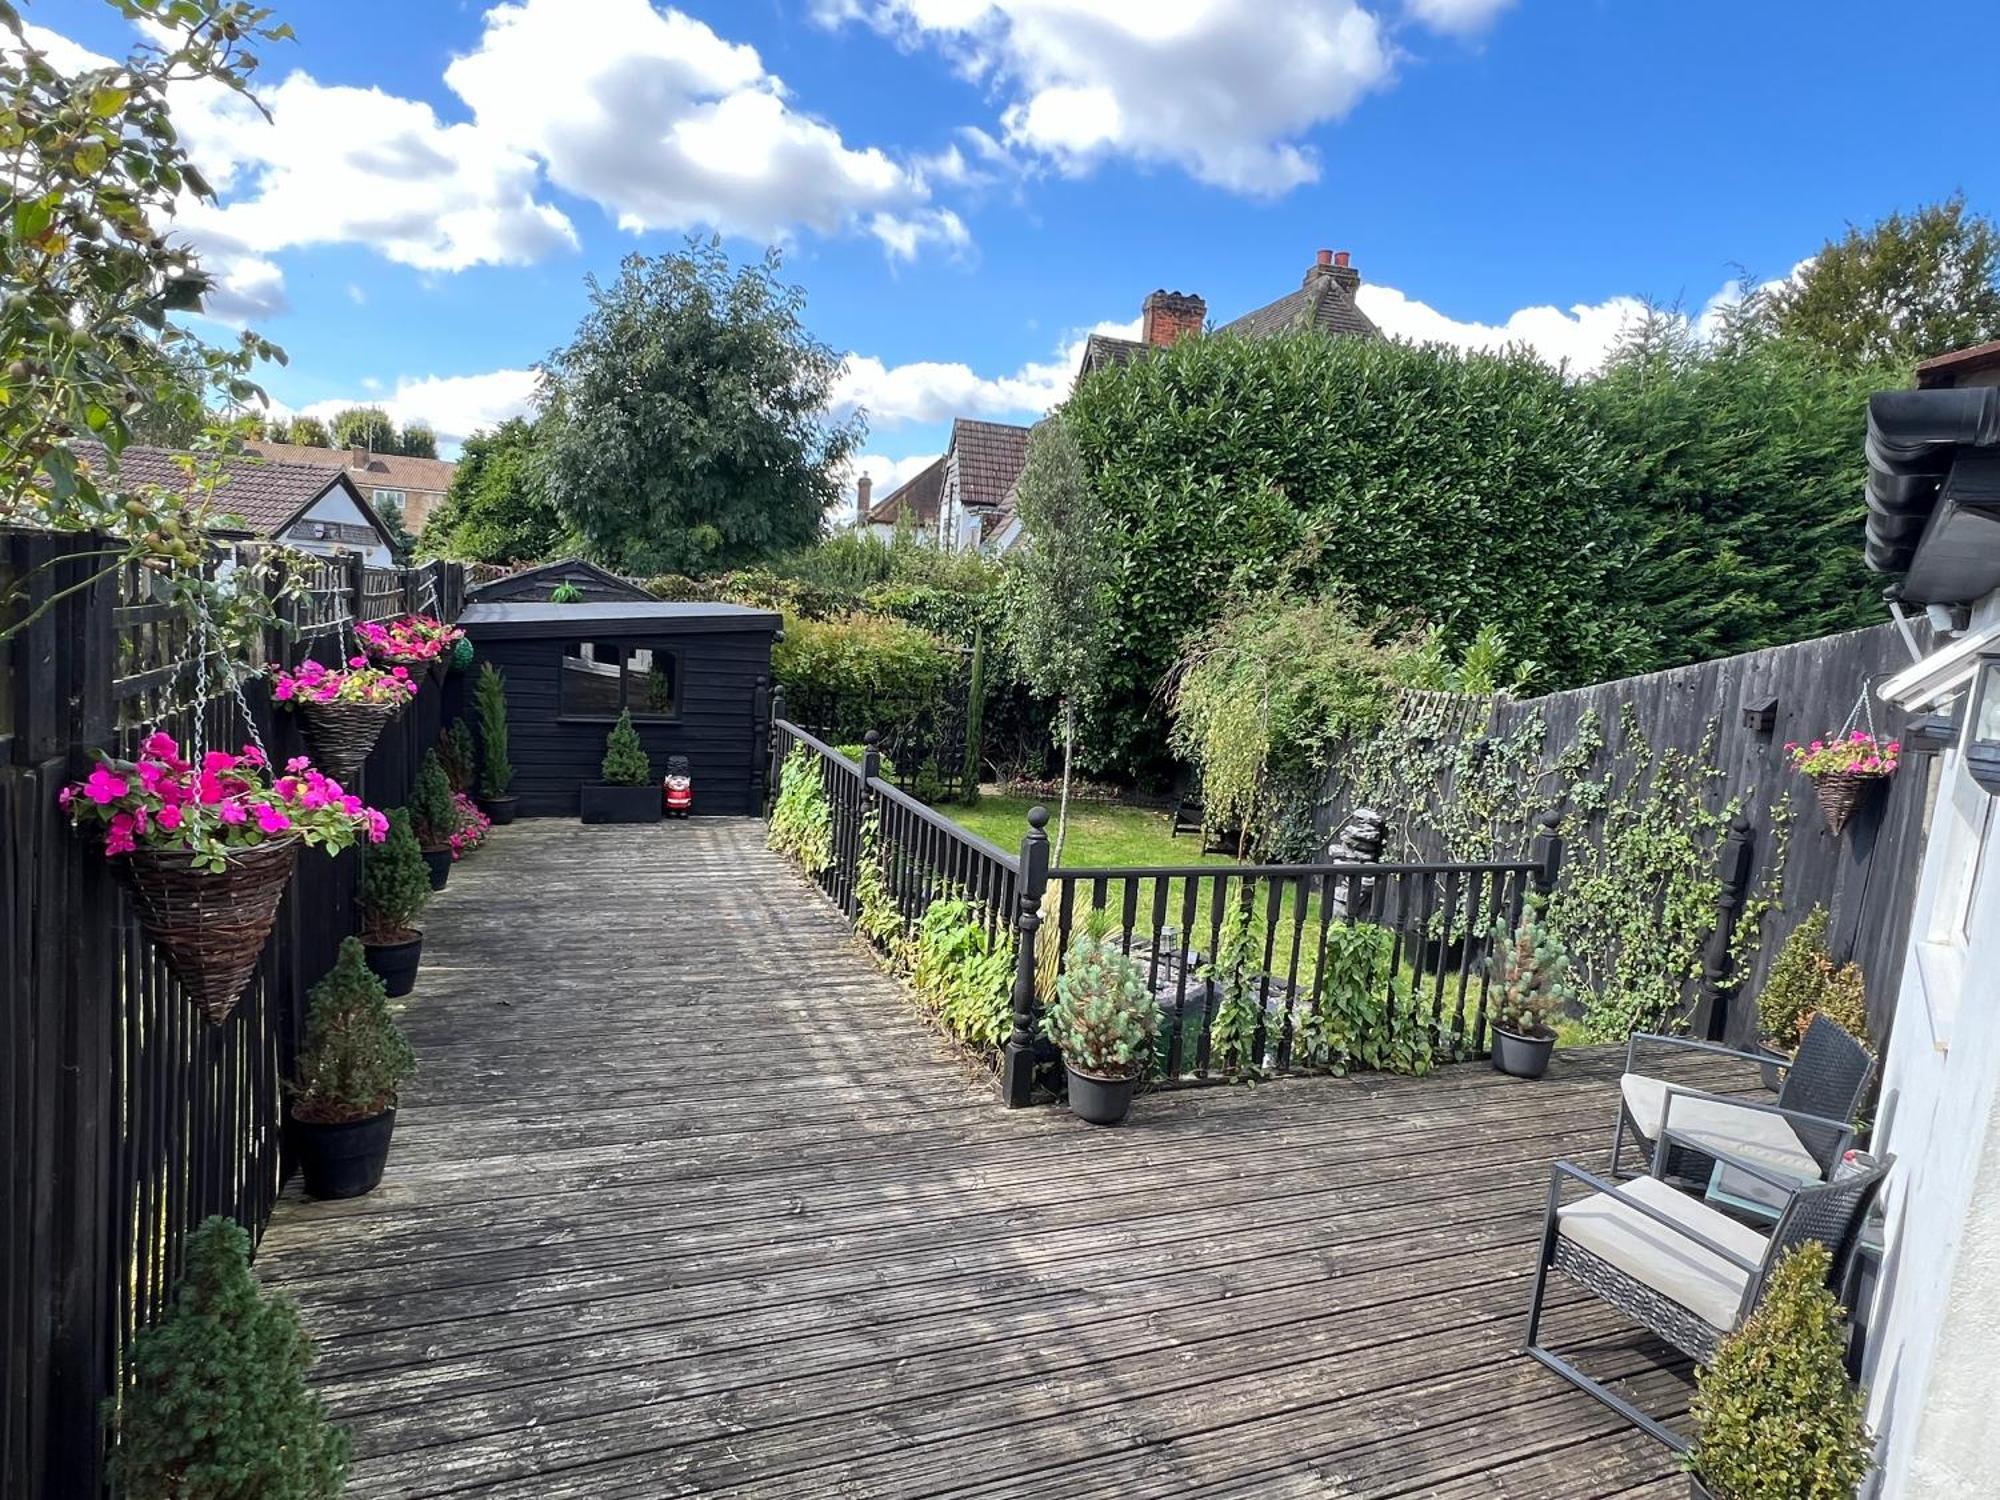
1547 851
871 762
772 766
1714 991
1017 1075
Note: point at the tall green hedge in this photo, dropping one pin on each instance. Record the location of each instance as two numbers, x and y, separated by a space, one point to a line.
862 672
1461 488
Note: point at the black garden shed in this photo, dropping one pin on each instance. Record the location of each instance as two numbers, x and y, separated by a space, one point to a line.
696 678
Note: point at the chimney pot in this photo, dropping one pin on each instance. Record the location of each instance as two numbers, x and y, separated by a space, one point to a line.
1340 258
357 457
1326 257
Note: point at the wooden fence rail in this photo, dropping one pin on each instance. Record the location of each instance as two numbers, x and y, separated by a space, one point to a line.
127 1118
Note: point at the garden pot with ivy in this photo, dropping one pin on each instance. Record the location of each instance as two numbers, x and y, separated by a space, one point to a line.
344 709
1845 769
627 794
434 817
496 772
395 887
1531 987
1104 1020
1774 1409
354 1060
207 850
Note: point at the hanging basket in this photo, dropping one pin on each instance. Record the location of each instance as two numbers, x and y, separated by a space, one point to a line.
340 735
1841 794
211 927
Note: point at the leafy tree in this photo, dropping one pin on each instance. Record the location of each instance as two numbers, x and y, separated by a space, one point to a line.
625 760
365 427
395 883
217 1404
1060 611
685 425
417 440
308 432
497 509
1899 291
496 772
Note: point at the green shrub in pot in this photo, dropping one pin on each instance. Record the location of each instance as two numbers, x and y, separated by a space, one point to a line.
1531 985
1104 1019
625 761
354 1061
395 888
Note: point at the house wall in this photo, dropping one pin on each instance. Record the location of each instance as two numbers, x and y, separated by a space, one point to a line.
336 505
1934 1353
720 729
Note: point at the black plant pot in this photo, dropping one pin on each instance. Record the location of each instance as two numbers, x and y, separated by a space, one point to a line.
1771 1072
343 1161
1521 1056
604 803
1099 1100
499 809
440 862
395 964
1697 1490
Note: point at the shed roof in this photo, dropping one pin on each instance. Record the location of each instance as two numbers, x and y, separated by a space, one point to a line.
587 575
550 620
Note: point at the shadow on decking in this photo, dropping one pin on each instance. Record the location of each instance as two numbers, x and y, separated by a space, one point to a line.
687 1202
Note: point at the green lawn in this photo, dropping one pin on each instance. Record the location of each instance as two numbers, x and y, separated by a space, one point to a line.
1100 833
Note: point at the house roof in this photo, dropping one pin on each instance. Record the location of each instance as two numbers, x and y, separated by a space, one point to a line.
389 471
539 620
918 496
1325 301
1960 367
1102 350
989 456
268 496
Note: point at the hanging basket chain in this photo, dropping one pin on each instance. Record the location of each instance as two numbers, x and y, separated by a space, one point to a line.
1864 709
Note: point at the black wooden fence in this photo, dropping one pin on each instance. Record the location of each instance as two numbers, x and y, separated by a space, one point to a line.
128 1118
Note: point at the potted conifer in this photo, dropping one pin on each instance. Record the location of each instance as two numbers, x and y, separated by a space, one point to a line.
1530 988
216 1401
1777 1417
1104 1020
434 817
627 793
354 1060
496 772
395 886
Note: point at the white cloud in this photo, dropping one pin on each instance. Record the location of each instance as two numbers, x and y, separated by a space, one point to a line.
455 406
1457 17
1223 89
904 235
1580 337
937 391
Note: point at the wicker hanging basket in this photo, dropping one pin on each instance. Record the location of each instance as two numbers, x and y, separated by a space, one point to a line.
340 735
211 927
1841 794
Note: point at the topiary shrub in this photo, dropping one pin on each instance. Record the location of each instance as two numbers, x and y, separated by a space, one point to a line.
355 1057
395 883
496 772
216 1405
1843 1000
1777 1416
433 814
1103 1017
625 760
1792 988
455 750
1533 980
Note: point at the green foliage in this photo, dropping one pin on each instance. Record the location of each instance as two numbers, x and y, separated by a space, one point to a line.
402 545
1778 1419
1899 291
216 1405
496 772
565 593
374 429
1845 1003
975 719
433 814
1533 984
685 425
395 882
1460 488
1103 1016
418 440
875 914
497 509
307 432
625 759
355 1056
962 973
801 818
456 752
1236 969
861 672
1804 981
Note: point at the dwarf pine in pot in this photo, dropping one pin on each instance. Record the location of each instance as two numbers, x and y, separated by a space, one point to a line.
627 793
216 1403
395 888
1777 1416
1104 1019
1531 984
354 1061
496 771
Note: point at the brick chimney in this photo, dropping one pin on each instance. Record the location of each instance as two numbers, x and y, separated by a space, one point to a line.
357 457
1333 265
1168 317
864 487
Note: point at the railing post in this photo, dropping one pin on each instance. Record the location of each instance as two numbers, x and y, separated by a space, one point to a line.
1547 851
1017 1075
871 760
1734 867
772 763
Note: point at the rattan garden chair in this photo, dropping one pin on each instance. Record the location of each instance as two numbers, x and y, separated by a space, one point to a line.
1674 1265
1800 1136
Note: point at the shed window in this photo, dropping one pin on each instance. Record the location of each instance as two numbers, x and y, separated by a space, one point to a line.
600 679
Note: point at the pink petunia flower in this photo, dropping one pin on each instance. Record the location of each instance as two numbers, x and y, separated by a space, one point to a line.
105 786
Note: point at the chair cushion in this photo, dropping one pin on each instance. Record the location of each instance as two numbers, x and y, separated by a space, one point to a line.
1757 1136
1669 1263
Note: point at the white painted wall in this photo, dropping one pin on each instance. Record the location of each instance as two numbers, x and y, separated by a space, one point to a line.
1933 1369
337 505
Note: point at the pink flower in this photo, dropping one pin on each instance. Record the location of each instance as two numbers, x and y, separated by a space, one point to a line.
209 789
218 760
161 744
284 690
119 840
169 818
232 812
104 786
270 819
297 763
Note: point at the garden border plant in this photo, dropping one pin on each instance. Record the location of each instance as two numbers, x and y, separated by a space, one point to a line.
625 791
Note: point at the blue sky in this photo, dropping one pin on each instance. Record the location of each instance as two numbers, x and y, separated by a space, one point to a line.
965 187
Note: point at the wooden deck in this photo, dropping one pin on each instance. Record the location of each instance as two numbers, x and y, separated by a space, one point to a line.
686 1202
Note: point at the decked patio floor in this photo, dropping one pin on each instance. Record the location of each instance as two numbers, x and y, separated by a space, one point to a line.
686 1203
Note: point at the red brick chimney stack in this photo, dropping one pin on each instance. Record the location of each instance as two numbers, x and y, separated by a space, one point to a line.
863 488
1334 265
1168 317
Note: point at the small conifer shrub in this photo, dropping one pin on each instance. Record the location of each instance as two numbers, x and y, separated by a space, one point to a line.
216 1405
625 762
1103 1017
456 751
496 772
355 1057
433 814
1533 982
395 883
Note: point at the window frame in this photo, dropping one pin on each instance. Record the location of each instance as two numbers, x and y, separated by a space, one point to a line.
625 645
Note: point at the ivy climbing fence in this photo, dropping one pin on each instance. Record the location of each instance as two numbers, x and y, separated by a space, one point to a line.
1258 970
127 1118
1693 848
